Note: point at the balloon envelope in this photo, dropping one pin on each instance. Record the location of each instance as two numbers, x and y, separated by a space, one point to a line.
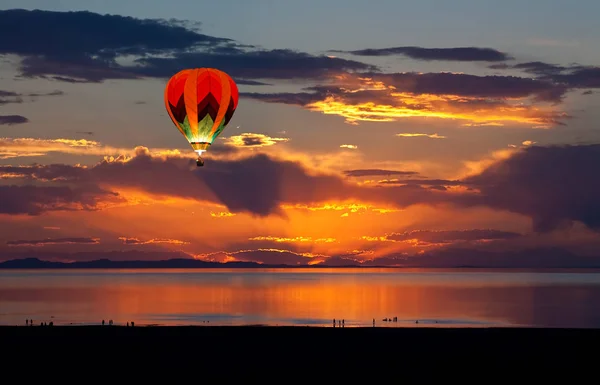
201 102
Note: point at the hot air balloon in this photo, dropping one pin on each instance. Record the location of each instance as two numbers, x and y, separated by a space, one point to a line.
201 102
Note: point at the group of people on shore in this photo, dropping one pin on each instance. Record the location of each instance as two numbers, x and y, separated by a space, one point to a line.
29 322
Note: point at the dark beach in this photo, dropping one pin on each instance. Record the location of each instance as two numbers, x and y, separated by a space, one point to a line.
357 348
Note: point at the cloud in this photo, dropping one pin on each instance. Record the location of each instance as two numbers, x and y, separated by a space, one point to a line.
8 97
449 236
292 240
533 257
137 241
124 255
253 140
476 100
574 76
35 200
258 184
10 120
349 146
378 172
431 136
259 64
54 241
28 147
443 54
351 89
88 47
551 185
264 256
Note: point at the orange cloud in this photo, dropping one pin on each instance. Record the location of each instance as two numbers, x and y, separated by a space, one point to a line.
137 241
468 99
222 214
253 140
349 146
28 147
292 240
437 106
431 136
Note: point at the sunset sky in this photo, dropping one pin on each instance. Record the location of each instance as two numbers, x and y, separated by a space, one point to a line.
425 133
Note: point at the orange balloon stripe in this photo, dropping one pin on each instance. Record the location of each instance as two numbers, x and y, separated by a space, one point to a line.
203 84
224 103
191 101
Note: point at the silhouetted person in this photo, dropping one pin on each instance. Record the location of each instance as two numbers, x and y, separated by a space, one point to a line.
132 323
339 322
51 323
417 322
127 323
373 322
343 323
26 322
102 322
110 322
334 322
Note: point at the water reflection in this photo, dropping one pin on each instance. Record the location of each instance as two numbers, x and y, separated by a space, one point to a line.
306 297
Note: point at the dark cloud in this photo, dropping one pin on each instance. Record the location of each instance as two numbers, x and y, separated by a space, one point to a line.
442 54
257 184
449 236
84 47
91 34
460 94
263 64
447 83
377 172
425 182
572 76
54 241
35 200
553 185
83 256
293 98
549 257
12 119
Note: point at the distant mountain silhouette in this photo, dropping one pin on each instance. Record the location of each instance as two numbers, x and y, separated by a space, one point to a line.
175 263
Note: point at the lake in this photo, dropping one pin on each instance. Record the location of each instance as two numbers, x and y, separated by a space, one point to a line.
434 298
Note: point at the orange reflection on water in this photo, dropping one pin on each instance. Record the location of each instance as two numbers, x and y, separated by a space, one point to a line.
303 296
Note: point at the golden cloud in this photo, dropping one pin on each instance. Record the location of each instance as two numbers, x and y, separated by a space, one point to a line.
384 103
137 241
293 240
253 140
431 136
27 147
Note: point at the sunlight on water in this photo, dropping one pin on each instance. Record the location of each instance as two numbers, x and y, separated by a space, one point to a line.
433 298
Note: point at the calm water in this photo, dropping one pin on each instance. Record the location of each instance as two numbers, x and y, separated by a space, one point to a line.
436 298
